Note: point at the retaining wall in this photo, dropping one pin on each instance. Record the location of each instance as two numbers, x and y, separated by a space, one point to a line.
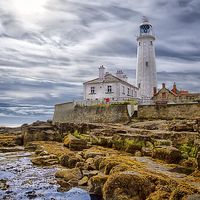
170 111
68 112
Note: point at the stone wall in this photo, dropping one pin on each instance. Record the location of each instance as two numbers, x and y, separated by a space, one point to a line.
68 112
169 111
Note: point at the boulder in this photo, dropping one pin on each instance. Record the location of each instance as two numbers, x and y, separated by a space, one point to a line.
64 184
45 160
83 181
167 153
69 160
96 184
146 151
75 144
127 185
67 173
38 131
91 154
69 176
10 141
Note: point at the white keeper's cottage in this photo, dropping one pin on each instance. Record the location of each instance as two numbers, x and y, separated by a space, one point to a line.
109 87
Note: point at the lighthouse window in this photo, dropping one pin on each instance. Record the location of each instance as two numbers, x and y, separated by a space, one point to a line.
139 44
151 43
147 63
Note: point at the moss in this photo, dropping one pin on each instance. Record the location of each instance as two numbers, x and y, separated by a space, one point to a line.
105 142
118 144
189 149
131 146
162 143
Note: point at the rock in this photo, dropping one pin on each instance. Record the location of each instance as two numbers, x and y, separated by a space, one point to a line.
73 182
146 151
76 172
11 149
162 142
31 146
10 141
45 160
197 143
91 154
96 184
198 161
69 160
193 197
64 184
83 181
38 131
74 143
68 176
138 153
3 185
93 173
149 144
167 153
190 163
85 173
130 184
61 173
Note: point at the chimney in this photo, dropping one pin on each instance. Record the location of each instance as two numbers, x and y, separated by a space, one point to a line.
125 78
119 74
174 88
154 91
163 85
101 73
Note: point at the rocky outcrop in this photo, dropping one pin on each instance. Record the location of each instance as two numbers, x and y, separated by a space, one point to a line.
45 160
75 144
167 153
38 131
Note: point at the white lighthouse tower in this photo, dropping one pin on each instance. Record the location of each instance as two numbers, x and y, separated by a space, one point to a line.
146 77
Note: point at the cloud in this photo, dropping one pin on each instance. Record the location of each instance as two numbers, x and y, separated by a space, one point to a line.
47 54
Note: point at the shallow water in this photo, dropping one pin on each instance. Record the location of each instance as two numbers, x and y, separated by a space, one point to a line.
20 179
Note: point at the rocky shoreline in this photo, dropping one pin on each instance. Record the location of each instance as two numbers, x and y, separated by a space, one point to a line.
138 160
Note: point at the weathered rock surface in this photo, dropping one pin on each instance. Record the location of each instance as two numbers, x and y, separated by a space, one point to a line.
45 160
75 144
38 131
167 153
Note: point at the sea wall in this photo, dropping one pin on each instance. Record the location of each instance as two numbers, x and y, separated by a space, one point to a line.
68 112
170 111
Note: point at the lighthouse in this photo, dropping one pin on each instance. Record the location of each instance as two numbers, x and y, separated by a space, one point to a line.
146 76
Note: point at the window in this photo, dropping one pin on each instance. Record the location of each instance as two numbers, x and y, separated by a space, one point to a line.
164 95
135 93
92 89
123 89
139 44
109 88
128 90
147 63
132 93
139 85
151 43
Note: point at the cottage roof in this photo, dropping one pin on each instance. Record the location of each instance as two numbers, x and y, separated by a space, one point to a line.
108 78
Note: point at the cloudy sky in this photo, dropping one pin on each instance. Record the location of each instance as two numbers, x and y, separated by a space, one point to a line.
48 48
